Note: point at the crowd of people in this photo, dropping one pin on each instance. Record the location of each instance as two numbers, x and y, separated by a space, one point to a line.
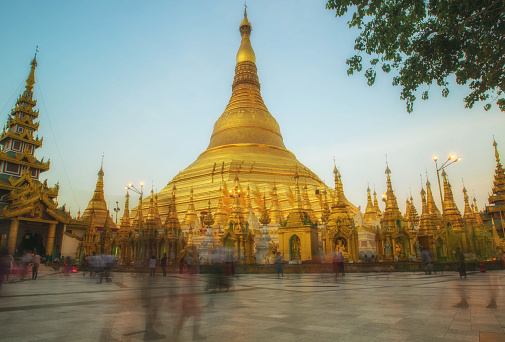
22 267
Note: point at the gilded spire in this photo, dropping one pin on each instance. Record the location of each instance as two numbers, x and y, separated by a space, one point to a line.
246 119
221 216
98 199
376 203
450 211
432 207
125 220
245 52
275 209
468 215
30 81
391 214
172 224
190 218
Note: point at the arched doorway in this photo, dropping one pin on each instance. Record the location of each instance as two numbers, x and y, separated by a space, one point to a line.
295 248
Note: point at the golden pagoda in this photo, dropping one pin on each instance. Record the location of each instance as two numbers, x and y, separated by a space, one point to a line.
246 142
342 235
395 239
29 214
95 227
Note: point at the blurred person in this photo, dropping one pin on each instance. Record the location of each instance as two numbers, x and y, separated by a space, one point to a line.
67 266
189 307
181 265
164 264
26 260
341 260
278 264
461 263
335 264
35 267
152 266
152 305
189 264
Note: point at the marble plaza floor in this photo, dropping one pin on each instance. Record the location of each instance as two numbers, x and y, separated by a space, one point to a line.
301 307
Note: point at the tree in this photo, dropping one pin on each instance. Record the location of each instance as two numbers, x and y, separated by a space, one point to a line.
427 41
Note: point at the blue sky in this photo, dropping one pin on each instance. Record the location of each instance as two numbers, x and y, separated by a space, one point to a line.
144 81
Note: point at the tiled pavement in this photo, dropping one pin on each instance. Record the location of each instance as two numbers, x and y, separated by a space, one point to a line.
301 307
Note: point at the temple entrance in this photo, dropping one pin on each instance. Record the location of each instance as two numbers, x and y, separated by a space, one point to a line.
295 248
400 249
340 245
31 242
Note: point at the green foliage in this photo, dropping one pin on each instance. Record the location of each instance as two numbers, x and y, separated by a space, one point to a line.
426 41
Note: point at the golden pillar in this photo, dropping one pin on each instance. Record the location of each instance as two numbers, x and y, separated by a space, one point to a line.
50 239
13 236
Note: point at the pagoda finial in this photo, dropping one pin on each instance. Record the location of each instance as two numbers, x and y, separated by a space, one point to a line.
30 81
496 154
245 52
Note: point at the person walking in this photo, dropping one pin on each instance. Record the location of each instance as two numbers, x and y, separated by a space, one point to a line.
152 266
164 264
461 264
35 267
278 266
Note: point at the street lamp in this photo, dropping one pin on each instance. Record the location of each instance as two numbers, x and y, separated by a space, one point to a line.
450 160
117 209
132 187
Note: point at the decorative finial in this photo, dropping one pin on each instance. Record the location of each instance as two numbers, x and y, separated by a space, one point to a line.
245 9
496 154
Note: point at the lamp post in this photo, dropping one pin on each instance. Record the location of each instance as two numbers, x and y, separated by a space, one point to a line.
117 210
450 160
132 187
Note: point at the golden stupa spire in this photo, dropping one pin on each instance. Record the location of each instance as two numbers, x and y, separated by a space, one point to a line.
221 215
172 224
468 215
450 211
246 119
391 202
275 209
190 218
30 81
125 220
370 212
432 207
376 203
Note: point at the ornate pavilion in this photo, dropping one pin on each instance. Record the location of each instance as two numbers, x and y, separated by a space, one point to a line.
30 218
